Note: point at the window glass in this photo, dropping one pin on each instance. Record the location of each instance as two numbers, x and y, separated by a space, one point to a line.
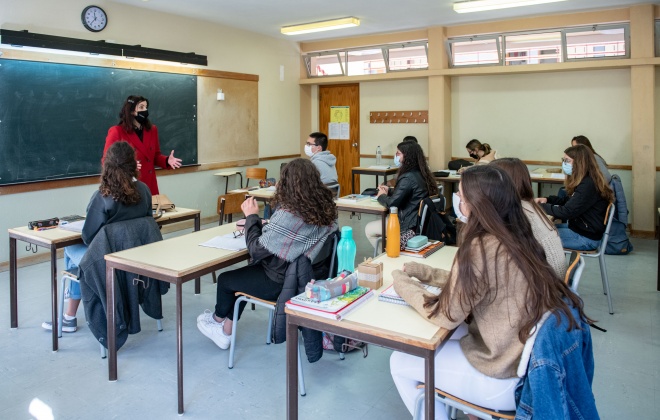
657 38
475 52
324 65
366 62
598 42
408 57
533 48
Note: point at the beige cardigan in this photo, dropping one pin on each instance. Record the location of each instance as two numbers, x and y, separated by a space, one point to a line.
491 345
548 237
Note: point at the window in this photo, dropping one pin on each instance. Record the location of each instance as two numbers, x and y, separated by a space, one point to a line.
596 42
374 59
532 48
474 51
657 38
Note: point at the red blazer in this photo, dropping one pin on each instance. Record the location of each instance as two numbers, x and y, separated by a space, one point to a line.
147 152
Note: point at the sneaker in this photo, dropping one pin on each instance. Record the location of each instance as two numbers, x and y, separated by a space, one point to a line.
213 330
68 326
205 317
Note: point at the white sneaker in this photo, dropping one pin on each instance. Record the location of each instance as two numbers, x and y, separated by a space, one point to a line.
213 330
207 316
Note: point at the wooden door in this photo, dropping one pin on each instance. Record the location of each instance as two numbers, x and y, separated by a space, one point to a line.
347 151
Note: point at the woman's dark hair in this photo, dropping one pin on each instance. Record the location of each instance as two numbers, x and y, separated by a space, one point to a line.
496 213
119 169
126 117
584 164
522 182
475 145
410 138
414 160
301 191
583 140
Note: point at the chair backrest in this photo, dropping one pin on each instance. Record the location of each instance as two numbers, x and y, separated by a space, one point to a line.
574 271
423 210
229 204
609 215
255 173
329 251
334 187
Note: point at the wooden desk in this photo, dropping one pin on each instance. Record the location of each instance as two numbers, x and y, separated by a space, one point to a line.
360 170
175 260
55 239
542 176
227 174
385 324
367 206
263 194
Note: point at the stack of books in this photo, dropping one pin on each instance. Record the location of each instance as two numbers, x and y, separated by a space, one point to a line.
423 251
352 198
335 308
389 295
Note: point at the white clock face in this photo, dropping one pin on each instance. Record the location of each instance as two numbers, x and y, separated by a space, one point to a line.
94 18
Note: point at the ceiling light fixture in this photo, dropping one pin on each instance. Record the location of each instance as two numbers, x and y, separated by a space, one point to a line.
326 25
482 5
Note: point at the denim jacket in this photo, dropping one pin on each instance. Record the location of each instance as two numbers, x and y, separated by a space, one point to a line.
559 375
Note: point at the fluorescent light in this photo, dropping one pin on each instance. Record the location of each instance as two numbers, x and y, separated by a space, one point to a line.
482 5
326 25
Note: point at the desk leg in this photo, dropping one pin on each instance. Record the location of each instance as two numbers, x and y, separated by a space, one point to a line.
429 380
291 370
385 182
179 345
226 184
352 182
13 283
383 223
197 280
111 333
538 189
53 292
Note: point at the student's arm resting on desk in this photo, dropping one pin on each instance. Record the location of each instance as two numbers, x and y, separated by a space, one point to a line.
583 198
252 231
400 195
426 274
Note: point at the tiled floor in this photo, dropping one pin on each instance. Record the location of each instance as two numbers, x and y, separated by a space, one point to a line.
72 383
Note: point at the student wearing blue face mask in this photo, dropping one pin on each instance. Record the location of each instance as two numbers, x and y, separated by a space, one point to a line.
585 204
414 182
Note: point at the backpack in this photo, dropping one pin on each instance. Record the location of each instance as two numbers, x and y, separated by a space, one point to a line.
437 225
457 164
618 243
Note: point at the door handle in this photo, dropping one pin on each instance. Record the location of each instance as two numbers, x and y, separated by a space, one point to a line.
355 145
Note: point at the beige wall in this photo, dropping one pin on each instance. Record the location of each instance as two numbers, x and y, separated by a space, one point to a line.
227 49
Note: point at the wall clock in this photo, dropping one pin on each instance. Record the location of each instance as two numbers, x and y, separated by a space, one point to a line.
94 18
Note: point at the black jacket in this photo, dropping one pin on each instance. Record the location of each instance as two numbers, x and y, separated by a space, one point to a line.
113 238
410 189
274 267
585 210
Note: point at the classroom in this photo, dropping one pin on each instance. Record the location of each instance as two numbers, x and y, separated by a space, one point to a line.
527 111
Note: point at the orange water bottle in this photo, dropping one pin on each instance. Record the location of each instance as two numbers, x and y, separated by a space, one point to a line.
393 234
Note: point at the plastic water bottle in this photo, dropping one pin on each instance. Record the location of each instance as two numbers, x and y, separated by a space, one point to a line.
393 234
379 156
346 250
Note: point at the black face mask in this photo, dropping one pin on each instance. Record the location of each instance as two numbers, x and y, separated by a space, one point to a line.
142 116
474 155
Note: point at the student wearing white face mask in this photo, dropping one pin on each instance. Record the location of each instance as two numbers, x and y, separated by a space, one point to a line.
316 148
585 205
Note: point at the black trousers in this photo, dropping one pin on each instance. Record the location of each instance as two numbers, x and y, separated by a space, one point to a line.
251 280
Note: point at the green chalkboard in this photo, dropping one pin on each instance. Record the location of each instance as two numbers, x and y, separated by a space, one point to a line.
54 117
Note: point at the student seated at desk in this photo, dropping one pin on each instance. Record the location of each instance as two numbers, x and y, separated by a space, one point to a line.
305 217
317 150
585 205
392 182
501 279
544 230
120 197
481 152
602 165
414 182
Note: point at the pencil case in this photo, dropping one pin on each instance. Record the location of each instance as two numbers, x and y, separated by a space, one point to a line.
40 224
417 241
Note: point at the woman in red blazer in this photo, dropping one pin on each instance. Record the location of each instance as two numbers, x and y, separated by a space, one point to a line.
135 128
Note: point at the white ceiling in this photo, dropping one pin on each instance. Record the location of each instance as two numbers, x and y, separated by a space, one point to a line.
376 16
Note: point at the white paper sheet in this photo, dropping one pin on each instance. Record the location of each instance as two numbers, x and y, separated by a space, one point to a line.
558 176
76 226
227 242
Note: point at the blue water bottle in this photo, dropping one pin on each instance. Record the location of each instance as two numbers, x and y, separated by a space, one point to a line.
346 250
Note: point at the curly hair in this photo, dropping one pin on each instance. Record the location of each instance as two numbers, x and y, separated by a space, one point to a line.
119 170
126 116
414 160
584 164
496 212
301 191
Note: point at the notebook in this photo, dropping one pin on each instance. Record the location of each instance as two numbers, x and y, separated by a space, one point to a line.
429 248
76 226
352 198
332 305
389 295
337 315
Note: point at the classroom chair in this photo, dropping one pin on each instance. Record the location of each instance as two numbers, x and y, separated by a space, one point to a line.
574 271
229 204
255 173
600 254
335 188
453 403
270 305
69 276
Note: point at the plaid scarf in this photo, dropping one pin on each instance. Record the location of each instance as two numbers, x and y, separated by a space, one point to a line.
287 236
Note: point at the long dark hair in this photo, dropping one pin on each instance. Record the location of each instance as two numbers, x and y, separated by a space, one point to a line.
584 164
126 116
119 169
522 182
496 212
583 140
414 160
301 191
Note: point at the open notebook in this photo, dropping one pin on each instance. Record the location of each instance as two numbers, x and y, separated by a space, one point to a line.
391 296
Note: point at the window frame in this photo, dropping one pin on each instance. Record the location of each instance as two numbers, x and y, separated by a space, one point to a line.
308 63
386 54
626 40
522 33
498 43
